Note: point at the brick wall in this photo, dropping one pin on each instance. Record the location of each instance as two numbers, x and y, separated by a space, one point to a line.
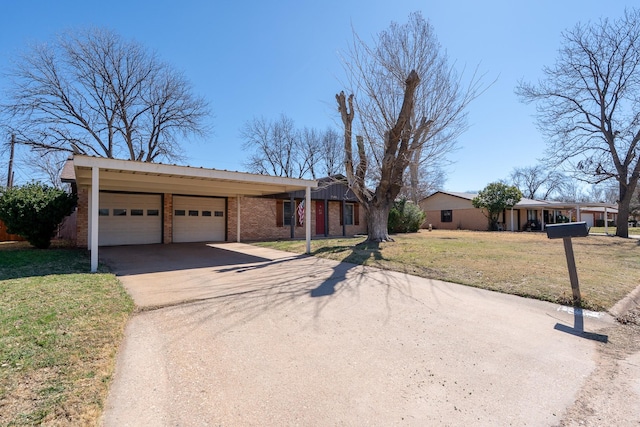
335 228
463 219
167 227
258 221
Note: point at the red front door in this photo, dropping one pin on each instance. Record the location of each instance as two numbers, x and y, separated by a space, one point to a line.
319 217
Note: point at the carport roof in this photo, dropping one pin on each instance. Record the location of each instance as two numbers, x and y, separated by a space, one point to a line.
127 175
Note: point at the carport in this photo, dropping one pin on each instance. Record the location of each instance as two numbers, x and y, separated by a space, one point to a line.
129 177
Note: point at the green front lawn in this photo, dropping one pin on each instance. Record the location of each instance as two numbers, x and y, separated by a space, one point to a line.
60 328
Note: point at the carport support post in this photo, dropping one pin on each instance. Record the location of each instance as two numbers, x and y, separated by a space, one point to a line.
571 265
307 219
95 203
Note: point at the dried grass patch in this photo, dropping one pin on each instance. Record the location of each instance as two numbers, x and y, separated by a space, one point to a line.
525 264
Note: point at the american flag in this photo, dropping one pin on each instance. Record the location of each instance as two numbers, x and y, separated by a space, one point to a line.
301 213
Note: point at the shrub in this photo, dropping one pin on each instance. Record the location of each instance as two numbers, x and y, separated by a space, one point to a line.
34 211
405 217
495 198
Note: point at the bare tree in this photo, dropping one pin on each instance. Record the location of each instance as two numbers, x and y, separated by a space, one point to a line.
277 147
46 168
589 105
332 153
410 105
4 164
92 92
537 182
571 192
604 193
429 179
310 150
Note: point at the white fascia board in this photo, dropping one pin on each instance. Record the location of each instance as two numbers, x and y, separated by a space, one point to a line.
188 171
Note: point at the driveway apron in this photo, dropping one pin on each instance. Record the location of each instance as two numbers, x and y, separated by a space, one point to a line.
232 334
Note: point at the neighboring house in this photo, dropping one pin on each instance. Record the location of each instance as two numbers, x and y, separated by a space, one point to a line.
145 203
451 210
595 215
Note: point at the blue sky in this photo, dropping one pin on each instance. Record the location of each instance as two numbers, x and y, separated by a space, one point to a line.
263 58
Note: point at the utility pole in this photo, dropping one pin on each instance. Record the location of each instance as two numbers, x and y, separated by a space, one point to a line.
10 172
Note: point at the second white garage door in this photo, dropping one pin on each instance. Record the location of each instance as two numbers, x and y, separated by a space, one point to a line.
198 219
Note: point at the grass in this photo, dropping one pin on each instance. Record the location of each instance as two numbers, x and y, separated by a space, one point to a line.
525 264
59 332
612 230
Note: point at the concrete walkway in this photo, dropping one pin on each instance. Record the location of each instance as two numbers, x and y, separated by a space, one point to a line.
233 334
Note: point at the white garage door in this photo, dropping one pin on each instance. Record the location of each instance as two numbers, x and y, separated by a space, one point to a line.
129 219
198 219
588 218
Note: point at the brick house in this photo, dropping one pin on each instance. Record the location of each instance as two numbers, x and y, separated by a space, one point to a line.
451 211
146 203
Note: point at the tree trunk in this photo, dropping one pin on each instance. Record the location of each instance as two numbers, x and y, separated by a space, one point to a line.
414 168
377 220
622 225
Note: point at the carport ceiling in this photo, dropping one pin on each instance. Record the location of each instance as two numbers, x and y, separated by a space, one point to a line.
125 175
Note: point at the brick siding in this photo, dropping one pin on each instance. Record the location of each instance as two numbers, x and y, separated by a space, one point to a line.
167 226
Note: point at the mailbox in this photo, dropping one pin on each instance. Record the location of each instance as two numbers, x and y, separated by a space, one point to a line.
566 232
570 229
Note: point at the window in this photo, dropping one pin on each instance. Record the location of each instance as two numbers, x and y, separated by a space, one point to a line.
179 213
532 215
206 213
348 214
287 212
137 212
219 213
193 213
103 212
119 212
446 215
153 212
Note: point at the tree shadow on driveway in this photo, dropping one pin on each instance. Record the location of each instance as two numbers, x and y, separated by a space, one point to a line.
358 253
286 286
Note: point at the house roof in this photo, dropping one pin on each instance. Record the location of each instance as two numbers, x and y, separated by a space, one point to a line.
127 175
525 203
470 196
333 187
68 174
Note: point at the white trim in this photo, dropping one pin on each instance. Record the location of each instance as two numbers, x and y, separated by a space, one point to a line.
187 171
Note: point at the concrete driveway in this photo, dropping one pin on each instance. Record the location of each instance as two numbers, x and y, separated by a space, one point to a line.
232 334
